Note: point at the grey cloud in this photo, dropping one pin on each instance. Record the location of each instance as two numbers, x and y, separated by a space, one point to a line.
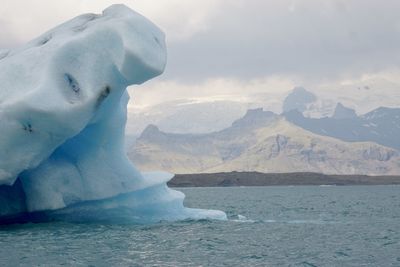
314 39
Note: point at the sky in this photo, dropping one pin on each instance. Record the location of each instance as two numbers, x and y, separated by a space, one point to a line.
232 47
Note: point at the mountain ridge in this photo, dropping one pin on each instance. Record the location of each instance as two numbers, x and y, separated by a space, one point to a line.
262 141
381 126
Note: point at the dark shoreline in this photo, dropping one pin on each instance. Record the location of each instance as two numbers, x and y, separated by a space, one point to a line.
277 179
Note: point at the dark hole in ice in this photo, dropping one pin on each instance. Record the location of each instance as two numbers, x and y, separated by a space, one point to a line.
72 82
80 28
45 40
4 54
28 127
107 90
90 17
157 40
104 93
87 18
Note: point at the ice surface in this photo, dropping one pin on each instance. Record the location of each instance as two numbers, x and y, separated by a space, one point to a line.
63 113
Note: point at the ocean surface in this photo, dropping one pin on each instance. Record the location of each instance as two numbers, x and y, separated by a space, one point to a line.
267 226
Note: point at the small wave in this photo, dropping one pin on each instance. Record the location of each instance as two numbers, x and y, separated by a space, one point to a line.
299 221
241 218
309 222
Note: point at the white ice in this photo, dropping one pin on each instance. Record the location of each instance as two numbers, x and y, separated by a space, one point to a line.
62 118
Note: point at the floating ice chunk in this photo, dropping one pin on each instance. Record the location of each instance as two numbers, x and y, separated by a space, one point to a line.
63 113
241 217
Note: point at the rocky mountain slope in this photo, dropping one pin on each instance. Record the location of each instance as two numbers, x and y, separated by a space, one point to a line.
260 141
381 125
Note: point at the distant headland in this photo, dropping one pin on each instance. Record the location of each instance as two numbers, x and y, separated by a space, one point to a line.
276 179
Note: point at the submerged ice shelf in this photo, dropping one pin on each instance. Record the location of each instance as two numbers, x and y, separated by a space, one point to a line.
62 117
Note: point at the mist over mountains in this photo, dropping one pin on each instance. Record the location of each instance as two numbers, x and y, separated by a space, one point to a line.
216 112
227 136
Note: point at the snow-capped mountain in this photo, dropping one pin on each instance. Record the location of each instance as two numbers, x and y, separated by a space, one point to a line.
186 116
214 114
362 96
381 125
260 141
200 115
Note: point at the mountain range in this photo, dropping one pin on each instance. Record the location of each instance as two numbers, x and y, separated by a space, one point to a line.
201 137
214 113
381 125
261 141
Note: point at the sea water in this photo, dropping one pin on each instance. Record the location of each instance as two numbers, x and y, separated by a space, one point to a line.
267 226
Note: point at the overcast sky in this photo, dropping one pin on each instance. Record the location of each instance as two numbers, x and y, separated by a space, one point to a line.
236 42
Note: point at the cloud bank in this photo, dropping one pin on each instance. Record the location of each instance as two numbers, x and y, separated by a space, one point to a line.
305 42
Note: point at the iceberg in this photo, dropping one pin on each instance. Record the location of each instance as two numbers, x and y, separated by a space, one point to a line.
63 112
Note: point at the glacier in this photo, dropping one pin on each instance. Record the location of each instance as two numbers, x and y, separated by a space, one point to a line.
63 104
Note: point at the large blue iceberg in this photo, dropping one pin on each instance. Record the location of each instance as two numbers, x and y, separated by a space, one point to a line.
62 118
